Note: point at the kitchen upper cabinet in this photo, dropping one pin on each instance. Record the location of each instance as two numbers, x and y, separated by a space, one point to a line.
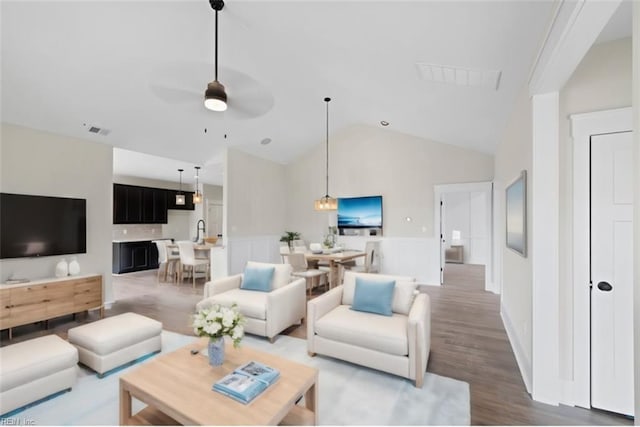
127 204
139 205
154 206
188 202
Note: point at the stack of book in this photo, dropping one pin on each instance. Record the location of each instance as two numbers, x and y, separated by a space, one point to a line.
247 381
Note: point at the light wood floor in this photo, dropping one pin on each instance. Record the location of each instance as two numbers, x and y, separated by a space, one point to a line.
468 342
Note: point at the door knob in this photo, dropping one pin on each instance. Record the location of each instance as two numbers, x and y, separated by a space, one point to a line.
605 286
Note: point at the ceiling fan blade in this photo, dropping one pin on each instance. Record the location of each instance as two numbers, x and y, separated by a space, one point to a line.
172 95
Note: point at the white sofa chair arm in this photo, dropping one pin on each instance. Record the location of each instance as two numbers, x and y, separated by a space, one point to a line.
221 285
318 307
419 337
285 306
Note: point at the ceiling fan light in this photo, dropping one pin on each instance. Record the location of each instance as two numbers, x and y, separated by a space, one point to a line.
215 97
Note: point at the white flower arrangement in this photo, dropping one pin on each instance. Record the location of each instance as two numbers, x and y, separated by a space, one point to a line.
218 321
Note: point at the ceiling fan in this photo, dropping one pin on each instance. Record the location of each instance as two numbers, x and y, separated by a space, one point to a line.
242 98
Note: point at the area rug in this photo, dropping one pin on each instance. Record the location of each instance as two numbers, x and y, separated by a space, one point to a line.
348 394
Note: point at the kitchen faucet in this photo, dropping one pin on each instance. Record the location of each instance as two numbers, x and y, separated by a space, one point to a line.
198 230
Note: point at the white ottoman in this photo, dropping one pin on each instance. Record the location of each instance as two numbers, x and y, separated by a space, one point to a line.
116 341
35 369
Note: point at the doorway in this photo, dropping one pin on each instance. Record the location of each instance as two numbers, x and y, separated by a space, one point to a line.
214 218
464 220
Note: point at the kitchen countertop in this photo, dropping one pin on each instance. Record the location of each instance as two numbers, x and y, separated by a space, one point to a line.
140 239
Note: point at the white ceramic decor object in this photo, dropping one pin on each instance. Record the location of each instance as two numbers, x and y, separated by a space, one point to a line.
62 268
74 267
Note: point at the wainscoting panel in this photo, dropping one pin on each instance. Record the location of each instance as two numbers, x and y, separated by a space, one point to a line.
252 248
416 257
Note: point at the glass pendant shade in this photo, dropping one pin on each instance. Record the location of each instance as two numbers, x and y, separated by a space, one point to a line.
197 196
180 199
326 203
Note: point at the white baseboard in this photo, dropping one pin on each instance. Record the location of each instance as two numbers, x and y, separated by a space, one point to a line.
523 362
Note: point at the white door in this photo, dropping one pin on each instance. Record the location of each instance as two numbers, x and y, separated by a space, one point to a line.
442 242
612 273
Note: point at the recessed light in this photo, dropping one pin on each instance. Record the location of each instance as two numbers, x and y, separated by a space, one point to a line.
265 141
408 219
384 123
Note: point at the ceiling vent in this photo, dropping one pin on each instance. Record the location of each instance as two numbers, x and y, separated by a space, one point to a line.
99 131
459 76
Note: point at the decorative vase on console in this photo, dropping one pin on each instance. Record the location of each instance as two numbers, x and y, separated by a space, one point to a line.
74 267
62 268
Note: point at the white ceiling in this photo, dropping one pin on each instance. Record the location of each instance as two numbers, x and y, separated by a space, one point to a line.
620 25
69 65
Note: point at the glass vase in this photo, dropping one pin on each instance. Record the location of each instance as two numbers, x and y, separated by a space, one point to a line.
216 351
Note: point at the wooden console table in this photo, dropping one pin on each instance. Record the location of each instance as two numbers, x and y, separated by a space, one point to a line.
24 303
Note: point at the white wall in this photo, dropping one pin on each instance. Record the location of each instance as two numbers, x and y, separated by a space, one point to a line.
255 207
365 160
467 212
514 153
35 162
602 81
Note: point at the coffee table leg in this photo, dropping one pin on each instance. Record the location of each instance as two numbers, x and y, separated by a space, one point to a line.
311 401
125 405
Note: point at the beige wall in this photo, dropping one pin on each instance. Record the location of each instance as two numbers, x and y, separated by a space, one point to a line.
255 196
367 161
514 154
602 81
34 162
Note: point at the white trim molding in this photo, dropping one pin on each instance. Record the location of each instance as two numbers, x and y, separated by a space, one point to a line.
583 126
521 357
573 30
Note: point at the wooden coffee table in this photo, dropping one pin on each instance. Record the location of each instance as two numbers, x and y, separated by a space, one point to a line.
177 389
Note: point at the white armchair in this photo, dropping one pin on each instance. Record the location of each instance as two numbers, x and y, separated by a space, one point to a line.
398 344
267 313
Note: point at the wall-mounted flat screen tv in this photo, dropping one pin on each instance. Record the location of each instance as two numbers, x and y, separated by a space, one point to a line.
34 226
360 212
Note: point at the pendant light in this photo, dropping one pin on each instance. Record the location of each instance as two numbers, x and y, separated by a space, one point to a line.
197 196
326 203
215 97
180 199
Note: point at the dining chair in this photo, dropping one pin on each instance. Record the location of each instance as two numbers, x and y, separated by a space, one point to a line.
371 259
284 251
188 259
166 262
300 268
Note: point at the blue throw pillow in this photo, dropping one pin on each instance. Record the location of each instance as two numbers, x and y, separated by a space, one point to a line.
257 279
373 296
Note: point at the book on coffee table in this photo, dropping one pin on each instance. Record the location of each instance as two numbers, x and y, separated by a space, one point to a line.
247 381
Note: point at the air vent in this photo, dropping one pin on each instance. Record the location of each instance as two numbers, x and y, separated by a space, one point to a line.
459 76
99 131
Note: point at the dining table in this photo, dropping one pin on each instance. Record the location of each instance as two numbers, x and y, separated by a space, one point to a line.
335 259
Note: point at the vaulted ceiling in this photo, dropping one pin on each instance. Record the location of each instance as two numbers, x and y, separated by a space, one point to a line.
139 70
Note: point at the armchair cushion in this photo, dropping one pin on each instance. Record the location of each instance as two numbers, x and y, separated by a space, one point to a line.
281 272
250 303
381 333
257 279
402 300
373 296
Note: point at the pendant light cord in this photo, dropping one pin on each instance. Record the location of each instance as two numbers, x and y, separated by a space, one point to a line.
216 47
327 160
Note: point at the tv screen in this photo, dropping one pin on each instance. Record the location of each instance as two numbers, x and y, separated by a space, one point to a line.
33 226
360 212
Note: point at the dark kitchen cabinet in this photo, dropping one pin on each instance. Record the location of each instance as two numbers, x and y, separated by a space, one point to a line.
154 206
139 205
188 202
134 256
